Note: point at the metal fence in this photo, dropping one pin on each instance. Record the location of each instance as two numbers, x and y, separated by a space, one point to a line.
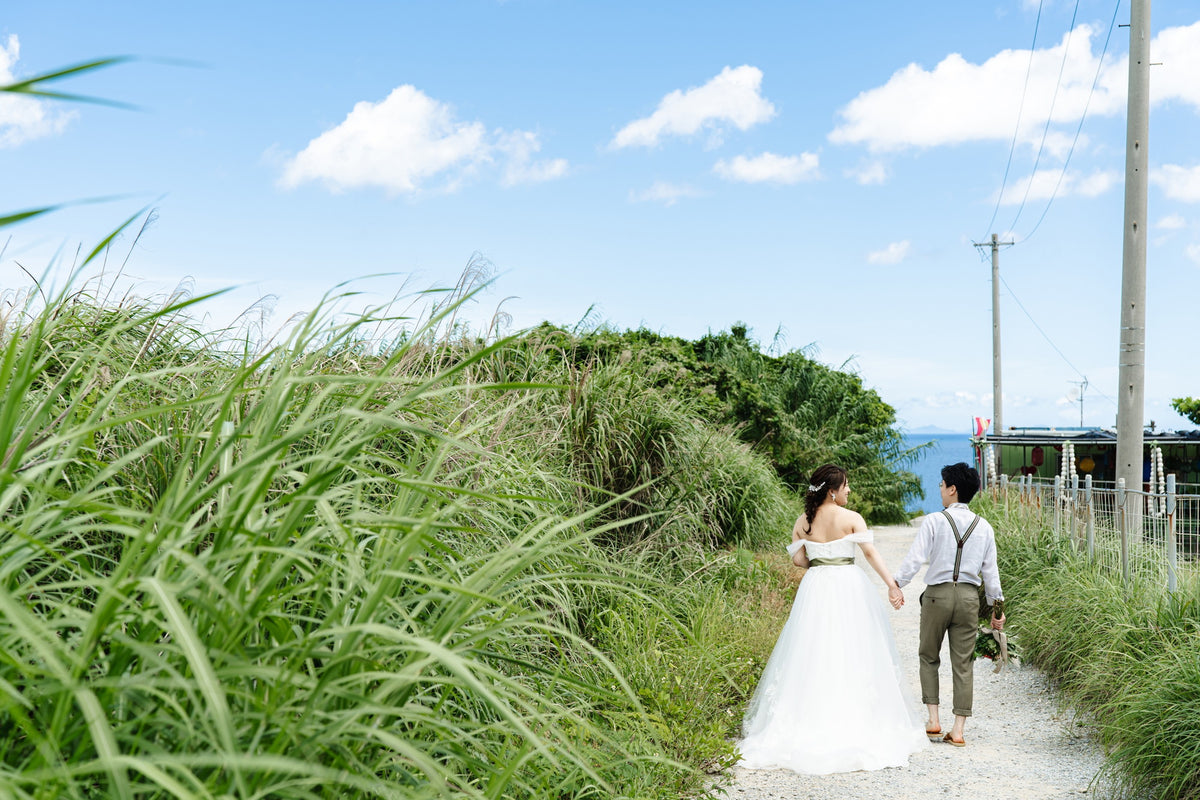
1144 536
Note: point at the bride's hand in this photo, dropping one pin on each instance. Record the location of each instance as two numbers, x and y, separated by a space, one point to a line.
896 597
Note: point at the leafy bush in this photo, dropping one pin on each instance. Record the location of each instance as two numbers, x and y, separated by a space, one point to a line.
797 412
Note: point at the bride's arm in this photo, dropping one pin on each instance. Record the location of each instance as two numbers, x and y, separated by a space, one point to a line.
895 596
876 561
800 557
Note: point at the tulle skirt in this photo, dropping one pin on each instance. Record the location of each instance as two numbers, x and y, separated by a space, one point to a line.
832 697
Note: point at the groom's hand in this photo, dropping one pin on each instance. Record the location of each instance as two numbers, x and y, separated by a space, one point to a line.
896 597
998 622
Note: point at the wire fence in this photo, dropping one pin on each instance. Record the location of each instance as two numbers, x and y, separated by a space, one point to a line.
1141 536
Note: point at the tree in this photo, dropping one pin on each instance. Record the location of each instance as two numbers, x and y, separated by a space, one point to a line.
1188 407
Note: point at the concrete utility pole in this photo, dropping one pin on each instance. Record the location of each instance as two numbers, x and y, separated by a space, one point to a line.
997 394
1131 375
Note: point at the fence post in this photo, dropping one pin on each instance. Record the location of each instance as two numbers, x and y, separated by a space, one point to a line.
1122 519
1031 504
1172 556
1058 486
1074 507
1004 492
1091 518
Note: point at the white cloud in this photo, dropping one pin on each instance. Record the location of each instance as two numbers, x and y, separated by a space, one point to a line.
1071 398
869 172
894 253
1193 252
1092 185
665 193
1177 182
408 139
769 167
958 101
1177 50
1172 222
956 399
23 118
1041 185
522 168
733 97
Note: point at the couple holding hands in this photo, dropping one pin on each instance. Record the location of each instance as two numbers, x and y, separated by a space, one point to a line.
831 697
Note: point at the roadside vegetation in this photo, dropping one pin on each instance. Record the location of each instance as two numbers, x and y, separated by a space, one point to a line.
1128 656
378 559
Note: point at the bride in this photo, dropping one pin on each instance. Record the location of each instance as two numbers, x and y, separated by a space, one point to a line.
831 697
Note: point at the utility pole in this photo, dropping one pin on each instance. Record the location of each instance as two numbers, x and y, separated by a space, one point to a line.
1131 375
997 394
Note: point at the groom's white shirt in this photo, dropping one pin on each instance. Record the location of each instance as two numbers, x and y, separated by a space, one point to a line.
935 544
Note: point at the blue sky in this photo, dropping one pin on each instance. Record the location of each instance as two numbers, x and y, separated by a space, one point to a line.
816 169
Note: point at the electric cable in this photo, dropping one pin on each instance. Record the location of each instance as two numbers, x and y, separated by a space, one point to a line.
1049 115
1049 341
1099 65
1017 128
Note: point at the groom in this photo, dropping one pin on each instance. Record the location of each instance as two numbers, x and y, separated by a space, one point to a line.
960 548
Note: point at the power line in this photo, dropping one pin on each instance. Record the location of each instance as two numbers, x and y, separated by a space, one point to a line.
1037 160
1017 128
1049 115
1095 80
1049 341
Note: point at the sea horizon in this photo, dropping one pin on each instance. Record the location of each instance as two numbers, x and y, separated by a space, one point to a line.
948 448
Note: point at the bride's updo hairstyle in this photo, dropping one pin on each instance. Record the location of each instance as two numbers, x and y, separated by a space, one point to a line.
825 479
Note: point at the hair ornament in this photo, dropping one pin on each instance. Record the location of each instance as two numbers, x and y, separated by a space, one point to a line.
815 489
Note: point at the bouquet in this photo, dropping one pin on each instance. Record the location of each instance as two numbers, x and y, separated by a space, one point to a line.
988 646
993 644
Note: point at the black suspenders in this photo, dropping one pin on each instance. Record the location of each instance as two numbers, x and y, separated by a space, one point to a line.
960 540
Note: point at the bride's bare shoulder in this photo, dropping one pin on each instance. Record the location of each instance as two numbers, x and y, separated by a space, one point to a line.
852 520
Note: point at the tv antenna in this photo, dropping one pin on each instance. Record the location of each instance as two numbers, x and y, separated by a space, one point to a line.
1082 388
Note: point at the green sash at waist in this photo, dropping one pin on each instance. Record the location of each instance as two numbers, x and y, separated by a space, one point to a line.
836 561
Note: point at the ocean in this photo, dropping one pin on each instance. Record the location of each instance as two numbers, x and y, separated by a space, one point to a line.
947 449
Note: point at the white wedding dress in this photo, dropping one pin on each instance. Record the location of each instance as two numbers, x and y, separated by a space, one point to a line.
832 697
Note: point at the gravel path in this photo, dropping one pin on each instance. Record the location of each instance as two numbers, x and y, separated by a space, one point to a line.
1020 744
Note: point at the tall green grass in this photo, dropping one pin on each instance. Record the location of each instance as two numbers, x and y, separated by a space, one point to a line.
1129 655
358 565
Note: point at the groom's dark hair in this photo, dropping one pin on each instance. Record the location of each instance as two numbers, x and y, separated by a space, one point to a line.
963 477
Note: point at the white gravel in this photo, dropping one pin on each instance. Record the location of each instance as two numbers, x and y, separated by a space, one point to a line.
1020 743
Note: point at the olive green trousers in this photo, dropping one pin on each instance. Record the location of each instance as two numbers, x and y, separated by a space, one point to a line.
949 609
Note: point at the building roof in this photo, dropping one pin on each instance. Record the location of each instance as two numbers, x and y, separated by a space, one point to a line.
1095 436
